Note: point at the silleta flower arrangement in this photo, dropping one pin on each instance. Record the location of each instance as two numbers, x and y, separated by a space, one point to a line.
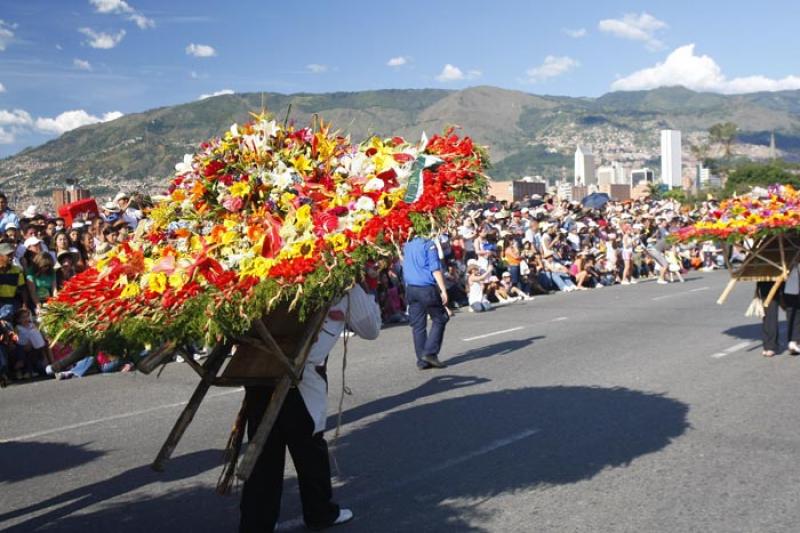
761 213
268 214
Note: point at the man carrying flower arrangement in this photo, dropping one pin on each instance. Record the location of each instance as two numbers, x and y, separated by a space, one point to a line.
299 427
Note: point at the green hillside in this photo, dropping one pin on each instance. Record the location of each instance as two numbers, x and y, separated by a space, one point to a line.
526 134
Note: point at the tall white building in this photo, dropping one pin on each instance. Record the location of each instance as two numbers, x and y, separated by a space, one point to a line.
671 174
620 175
584 166
605 175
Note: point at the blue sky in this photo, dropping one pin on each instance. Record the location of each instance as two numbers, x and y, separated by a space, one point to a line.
65 63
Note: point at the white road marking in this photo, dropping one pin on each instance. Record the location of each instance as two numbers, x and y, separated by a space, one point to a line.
679 293
559 319
489 448
492 334
699 289
732 349
109 419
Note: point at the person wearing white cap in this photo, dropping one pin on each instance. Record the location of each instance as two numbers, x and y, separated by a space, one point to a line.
7 215
130 215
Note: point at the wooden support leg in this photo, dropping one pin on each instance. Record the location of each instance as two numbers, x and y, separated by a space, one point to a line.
728 288
773 291
212 365
255 446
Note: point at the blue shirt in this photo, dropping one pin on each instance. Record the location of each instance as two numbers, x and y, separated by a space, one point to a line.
8 217
420 261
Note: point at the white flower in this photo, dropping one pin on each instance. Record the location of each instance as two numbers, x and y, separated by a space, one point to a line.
234 130
256 143
185 166
343 189
270 128
375 184
282 179
365 203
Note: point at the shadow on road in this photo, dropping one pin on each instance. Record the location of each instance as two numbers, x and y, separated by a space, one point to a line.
28 459
432 387
182 467
745 331
498 349
425 468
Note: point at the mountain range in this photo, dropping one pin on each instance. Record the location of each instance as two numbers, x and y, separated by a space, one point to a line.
526 134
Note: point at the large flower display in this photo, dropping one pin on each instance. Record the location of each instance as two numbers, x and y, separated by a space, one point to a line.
760 213
267 214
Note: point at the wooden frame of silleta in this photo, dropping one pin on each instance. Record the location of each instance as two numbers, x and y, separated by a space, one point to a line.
769 258
273 354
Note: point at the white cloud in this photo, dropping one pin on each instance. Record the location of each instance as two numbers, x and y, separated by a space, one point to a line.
552 67
398 61
6 34
69 120
102 40
453 73
200 50
111 6
6 137
121 7
59 47
141 21
575 34
699 73
316 68
2 88
217 93
15 117
642 27
81 64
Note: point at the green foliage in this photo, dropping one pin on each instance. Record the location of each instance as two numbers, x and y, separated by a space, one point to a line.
749 174
723 133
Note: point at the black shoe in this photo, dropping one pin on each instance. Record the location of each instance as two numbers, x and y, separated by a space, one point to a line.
433 361
423 366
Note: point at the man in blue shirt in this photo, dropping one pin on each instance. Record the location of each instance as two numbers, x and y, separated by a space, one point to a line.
7 216
427 296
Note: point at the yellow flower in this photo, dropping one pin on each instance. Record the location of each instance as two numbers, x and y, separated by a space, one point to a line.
256 266
240 189
303 218
131 290
229 237
178 279
325 146
338 241
287 200
157 282
302 164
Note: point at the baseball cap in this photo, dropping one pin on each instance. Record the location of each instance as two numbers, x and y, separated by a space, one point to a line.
6 248
31 241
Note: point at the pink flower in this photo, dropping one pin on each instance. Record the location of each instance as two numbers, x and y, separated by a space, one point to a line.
233 204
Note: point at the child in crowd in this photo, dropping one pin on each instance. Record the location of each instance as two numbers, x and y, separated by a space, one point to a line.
475 281
674 265
507 286
32 348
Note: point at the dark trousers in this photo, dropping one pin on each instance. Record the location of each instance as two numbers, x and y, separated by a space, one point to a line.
792 302
261 493
769 326
422 303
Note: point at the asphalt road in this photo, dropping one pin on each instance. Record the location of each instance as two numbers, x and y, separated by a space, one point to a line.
641 408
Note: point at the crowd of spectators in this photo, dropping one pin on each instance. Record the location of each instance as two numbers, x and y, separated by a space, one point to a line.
501 252
38 254
497 253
